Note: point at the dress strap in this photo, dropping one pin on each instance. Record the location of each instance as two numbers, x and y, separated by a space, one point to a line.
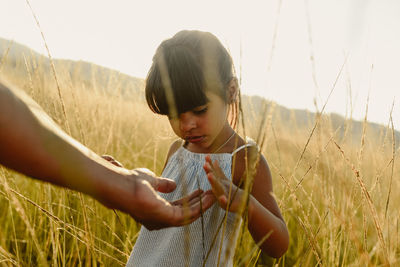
250 142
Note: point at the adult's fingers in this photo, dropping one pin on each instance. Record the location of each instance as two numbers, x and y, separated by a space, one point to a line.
164 185
188 198
208 199
160 184
186 215
178 215
202 198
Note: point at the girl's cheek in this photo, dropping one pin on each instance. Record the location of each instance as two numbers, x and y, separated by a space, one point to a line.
175 126
202 122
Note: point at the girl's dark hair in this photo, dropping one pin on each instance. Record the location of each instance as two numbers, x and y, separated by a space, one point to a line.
183 68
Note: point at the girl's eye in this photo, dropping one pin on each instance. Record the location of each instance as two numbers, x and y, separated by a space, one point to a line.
200 111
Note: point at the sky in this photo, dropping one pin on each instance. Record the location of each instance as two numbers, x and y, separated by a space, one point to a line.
288 51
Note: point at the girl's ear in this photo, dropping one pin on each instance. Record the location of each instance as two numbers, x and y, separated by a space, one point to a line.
233 90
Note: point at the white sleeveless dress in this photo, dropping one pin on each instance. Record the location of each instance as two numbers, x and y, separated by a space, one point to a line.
199 243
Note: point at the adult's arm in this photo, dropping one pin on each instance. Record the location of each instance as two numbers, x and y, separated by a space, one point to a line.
31 143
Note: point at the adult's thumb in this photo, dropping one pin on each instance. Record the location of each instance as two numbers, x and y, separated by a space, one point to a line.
164 185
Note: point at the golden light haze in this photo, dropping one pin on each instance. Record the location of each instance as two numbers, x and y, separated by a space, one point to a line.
271 43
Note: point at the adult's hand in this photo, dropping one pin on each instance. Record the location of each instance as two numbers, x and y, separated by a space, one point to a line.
163 185
154 212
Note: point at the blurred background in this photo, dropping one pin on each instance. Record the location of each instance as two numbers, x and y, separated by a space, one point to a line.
286 51
335 174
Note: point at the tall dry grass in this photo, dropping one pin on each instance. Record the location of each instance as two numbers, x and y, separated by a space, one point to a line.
339 196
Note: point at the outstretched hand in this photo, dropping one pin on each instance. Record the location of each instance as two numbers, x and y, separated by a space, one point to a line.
140 200
156 212
159 184
223 188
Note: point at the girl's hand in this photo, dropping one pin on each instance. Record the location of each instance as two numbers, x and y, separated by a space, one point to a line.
222 187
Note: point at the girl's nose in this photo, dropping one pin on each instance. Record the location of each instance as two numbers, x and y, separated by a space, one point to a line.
187 122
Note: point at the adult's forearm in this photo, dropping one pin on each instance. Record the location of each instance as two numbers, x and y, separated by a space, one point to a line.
31 143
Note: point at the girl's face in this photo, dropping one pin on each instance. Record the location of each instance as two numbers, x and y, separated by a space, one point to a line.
205 127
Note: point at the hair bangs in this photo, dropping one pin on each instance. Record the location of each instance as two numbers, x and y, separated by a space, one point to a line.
184 76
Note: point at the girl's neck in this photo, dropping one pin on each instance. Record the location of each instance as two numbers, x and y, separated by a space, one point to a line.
225 143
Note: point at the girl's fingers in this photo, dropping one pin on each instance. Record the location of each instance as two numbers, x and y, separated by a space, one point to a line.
216 186
212 175
219 183
214 167
218 171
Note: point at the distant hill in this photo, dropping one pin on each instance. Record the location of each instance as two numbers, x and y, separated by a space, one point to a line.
13 55
305 119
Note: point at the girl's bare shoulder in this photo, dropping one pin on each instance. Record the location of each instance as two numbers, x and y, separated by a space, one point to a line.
174 147
245 156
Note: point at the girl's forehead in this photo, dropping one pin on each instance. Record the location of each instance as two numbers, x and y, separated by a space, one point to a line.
214 98
210 95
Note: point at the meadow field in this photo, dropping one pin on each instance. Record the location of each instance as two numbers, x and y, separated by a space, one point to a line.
338 193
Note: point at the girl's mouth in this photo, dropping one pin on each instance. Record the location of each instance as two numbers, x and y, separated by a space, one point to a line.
194 139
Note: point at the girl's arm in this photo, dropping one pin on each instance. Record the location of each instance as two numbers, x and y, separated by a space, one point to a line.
264 215
265 219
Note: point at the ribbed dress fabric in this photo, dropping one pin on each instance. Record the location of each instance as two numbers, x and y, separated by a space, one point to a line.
189 245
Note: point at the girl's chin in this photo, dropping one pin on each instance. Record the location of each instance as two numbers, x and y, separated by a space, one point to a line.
199 145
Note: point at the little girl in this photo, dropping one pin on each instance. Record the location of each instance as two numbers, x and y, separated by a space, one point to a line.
192 81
